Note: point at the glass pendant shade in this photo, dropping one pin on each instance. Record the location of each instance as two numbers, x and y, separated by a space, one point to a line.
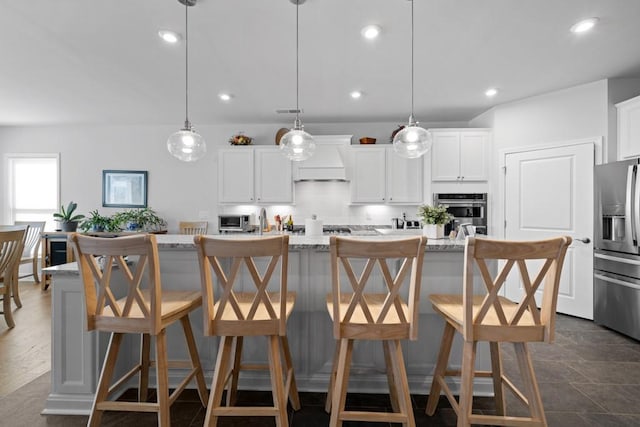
186 145
297 144
412 141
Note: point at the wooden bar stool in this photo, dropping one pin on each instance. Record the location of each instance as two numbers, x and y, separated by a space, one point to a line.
237 314
146 310
193 227
492 318
366 315
11 246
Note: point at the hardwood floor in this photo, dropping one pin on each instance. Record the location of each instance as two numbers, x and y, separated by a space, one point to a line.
25 351
590 377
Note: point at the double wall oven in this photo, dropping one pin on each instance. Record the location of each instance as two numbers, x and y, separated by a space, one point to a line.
466 208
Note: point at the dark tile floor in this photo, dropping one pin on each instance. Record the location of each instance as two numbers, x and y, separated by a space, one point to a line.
590 377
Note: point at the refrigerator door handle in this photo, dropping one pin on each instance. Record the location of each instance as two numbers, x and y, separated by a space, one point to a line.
616 281
616 259
631 209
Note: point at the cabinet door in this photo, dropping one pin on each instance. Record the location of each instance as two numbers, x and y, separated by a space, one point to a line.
368 179
273 176
235 175
445 159
404 179
629 128
473 156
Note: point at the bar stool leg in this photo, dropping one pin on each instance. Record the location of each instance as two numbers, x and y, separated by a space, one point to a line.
105 379
195 360
232 391
441 368
466 383
332 378
342 380
145 349
277 382
162 374
496 369
291 385
393 391
218 382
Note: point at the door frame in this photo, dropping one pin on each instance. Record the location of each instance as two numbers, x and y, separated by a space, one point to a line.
597 142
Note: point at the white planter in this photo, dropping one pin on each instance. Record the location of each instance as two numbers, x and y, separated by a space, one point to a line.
433 231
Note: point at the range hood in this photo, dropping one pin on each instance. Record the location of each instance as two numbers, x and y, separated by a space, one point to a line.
329 161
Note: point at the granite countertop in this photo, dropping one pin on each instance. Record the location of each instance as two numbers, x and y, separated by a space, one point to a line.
298 242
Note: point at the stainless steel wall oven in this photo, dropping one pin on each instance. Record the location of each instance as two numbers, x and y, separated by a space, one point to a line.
466 208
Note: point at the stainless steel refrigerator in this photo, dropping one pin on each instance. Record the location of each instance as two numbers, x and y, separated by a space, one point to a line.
617 247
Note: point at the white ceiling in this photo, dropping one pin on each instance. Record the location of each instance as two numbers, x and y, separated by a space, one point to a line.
91 61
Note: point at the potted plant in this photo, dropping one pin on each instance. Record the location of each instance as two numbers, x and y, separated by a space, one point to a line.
97 223
144 219
68 221
433 219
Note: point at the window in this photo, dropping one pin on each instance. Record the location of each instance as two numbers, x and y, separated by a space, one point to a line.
32 187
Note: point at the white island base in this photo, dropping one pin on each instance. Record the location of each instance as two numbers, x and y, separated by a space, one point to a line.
77 355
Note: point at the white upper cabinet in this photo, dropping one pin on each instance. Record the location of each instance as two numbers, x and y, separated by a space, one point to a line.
381 176
629 128
273 174
254 175
460 155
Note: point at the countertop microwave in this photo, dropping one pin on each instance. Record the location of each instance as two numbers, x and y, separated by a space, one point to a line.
234 223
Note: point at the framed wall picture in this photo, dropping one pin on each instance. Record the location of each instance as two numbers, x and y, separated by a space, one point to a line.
124 189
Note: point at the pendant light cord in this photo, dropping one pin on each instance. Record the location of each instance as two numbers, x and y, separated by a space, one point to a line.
186 65
411 58
297 66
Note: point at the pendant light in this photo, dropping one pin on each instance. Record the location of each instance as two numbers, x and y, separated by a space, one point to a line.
413 141
297 144
186 144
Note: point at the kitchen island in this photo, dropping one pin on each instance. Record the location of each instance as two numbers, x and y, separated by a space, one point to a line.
77 355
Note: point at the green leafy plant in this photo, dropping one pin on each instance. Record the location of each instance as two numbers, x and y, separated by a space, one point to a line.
97 222
434 214
66 215
145 219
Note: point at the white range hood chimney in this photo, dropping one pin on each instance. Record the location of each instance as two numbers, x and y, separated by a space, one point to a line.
329 161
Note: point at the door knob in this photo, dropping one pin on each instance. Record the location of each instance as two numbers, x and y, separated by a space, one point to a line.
585 240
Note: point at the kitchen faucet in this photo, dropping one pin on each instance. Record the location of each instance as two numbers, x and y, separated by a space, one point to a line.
263 220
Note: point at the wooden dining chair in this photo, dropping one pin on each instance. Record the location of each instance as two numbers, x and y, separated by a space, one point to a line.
496 319
193 227
31 252
146 309
236 314
11 245
369 314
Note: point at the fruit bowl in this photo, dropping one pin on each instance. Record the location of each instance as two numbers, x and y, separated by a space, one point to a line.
240 140
367 140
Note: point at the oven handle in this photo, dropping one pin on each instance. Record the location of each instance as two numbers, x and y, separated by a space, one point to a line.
616 259
460 203
616 281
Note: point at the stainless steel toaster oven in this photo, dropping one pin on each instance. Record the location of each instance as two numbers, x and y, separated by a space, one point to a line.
234 222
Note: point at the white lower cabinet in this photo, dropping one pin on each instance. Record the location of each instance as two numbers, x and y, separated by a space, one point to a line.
254 175
629 128
460 155
381 176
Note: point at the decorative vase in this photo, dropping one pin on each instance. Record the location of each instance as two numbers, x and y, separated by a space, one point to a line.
433 231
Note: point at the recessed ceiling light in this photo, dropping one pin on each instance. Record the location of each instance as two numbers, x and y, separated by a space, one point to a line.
370 32
356 94
169 36
584 25
491 92
225 96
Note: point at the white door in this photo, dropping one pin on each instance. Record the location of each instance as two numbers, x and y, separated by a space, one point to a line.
549 192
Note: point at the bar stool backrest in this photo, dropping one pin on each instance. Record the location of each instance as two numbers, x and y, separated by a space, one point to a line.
491 315
193 227
97 259
371 315
237 313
